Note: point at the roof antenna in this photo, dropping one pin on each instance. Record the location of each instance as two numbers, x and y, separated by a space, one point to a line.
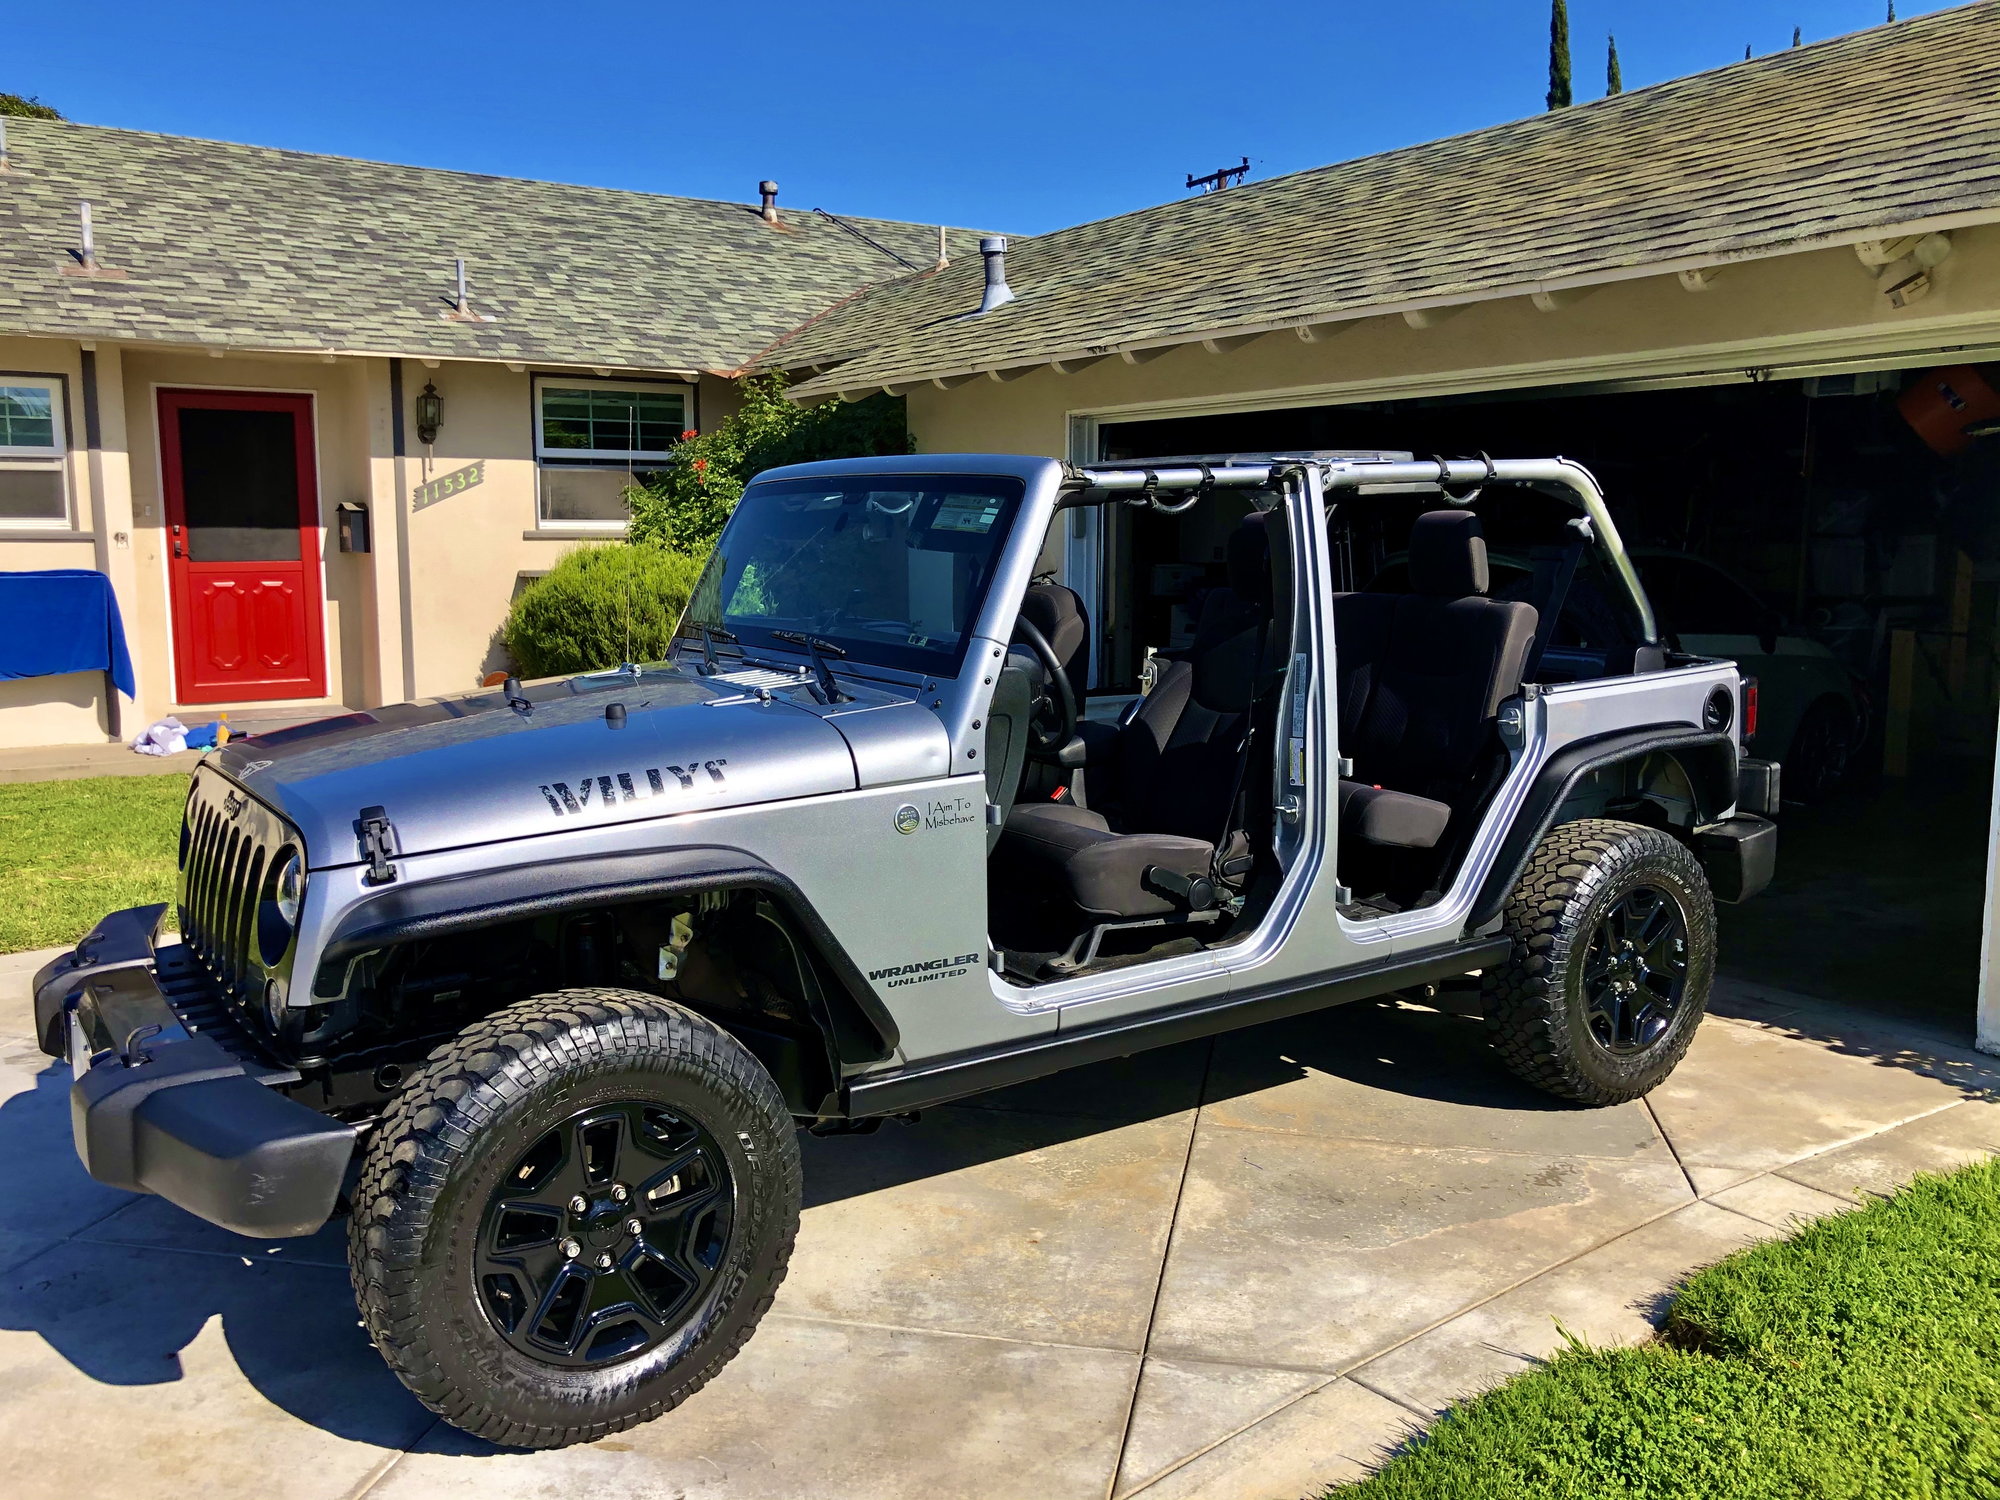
1217 180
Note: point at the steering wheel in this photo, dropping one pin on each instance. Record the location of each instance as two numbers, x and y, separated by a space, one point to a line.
1056 699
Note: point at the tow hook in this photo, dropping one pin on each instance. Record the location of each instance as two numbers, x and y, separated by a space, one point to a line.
130 1054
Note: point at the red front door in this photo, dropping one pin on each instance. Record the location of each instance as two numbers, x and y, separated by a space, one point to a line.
243 544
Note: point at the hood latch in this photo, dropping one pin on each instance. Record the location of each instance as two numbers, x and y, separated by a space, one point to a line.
378 843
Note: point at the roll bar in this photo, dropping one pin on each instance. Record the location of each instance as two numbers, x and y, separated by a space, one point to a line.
1101 485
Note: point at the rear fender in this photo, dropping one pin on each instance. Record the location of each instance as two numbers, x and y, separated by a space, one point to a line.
1669 764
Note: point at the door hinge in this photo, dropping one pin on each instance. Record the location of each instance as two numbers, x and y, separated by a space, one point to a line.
378 843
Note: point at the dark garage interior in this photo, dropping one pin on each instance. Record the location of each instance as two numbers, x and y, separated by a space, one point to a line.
1840 536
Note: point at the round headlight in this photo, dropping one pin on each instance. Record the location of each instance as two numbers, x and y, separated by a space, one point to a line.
291 889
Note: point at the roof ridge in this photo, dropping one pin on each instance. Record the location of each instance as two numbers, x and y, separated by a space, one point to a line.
15 127
1547 120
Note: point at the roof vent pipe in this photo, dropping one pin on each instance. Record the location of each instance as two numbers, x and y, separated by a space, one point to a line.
3 145
998 294
87 252
769 190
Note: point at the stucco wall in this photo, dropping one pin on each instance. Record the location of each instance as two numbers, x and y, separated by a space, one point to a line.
69 709
1819 305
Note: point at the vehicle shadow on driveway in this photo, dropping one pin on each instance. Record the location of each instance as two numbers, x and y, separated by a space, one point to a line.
1378 1059
125 1296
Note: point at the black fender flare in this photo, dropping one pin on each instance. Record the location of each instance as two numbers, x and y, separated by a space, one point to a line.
461 903
1708 757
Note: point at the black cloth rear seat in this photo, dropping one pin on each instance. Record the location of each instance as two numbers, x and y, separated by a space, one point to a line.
1421 679
1163 795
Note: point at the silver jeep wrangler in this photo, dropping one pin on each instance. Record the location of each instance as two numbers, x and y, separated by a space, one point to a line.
537 984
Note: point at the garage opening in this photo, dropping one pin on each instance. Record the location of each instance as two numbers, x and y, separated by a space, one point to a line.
1839 536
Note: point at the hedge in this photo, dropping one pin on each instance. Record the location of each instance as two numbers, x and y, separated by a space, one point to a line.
599 607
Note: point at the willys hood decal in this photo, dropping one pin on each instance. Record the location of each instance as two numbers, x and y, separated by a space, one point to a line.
471 769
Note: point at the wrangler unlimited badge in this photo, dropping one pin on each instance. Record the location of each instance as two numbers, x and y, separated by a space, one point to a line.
623 786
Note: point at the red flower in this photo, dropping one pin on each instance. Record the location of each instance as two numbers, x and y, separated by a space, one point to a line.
690 433
700 463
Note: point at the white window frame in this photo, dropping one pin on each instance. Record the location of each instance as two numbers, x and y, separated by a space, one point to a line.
613 459
21 457
605 458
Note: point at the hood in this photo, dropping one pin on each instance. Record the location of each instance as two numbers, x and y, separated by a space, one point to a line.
472 769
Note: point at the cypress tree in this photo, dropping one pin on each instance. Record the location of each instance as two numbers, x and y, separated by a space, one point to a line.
1892 9
1559 89
1614 77
1797 40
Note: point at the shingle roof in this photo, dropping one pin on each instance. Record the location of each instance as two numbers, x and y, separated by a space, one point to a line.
255 248
1895 125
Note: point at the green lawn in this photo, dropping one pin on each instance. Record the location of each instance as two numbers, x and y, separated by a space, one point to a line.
70 851
1861 1357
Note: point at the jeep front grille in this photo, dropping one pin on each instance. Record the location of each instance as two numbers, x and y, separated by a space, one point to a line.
231 847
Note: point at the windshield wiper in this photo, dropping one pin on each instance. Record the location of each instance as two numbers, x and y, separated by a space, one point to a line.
819 649
710 634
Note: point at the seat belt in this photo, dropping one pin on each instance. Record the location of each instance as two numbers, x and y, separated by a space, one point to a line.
1553 577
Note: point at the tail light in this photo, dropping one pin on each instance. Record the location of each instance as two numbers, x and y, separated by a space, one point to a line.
1749 709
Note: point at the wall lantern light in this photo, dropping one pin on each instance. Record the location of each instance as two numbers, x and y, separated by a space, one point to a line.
430 414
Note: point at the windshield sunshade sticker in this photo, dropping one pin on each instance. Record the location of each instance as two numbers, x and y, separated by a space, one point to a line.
617 787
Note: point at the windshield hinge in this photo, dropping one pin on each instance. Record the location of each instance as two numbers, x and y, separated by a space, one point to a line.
378 842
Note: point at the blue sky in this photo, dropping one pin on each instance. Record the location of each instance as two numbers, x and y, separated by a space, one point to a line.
1009 114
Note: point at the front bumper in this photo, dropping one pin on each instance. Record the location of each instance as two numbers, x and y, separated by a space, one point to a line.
169 1100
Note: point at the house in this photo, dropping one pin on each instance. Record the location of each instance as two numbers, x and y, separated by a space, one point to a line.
315 418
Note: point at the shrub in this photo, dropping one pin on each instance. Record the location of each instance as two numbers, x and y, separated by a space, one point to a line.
685 503
598 607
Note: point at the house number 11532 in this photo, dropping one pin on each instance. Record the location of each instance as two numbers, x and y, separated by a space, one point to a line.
448 484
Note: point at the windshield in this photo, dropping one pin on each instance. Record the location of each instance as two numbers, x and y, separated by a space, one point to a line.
891 569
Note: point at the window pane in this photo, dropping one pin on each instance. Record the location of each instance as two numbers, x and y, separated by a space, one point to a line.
584 495
33 494
240 485
611 421
27 417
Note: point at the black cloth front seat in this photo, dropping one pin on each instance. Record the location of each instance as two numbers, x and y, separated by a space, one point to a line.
1421 679
1058 613
1163 790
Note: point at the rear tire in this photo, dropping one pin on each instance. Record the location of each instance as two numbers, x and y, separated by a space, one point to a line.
1613 927
1821 753
573 1216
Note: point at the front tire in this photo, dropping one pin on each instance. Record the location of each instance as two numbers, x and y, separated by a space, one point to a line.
1613 927
573 1216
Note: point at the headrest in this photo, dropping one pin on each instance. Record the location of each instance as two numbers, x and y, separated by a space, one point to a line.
1447 555
1058 613
1247 558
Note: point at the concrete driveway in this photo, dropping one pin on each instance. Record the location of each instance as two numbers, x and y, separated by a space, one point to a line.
1239 1269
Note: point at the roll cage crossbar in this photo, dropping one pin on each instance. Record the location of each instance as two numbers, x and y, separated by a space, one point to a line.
1142 484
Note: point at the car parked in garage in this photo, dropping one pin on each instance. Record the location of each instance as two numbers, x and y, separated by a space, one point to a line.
1811 714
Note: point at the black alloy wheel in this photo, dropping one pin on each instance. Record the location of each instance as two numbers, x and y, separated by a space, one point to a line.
1635 970
603 1235
573 1214
1821 752
1613 931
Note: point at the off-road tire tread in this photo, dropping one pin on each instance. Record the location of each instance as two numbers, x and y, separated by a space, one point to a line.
402 1166
1526 1022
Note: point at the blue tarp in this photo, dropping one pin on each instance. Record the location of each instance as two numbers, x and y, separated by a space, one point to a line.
64 620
